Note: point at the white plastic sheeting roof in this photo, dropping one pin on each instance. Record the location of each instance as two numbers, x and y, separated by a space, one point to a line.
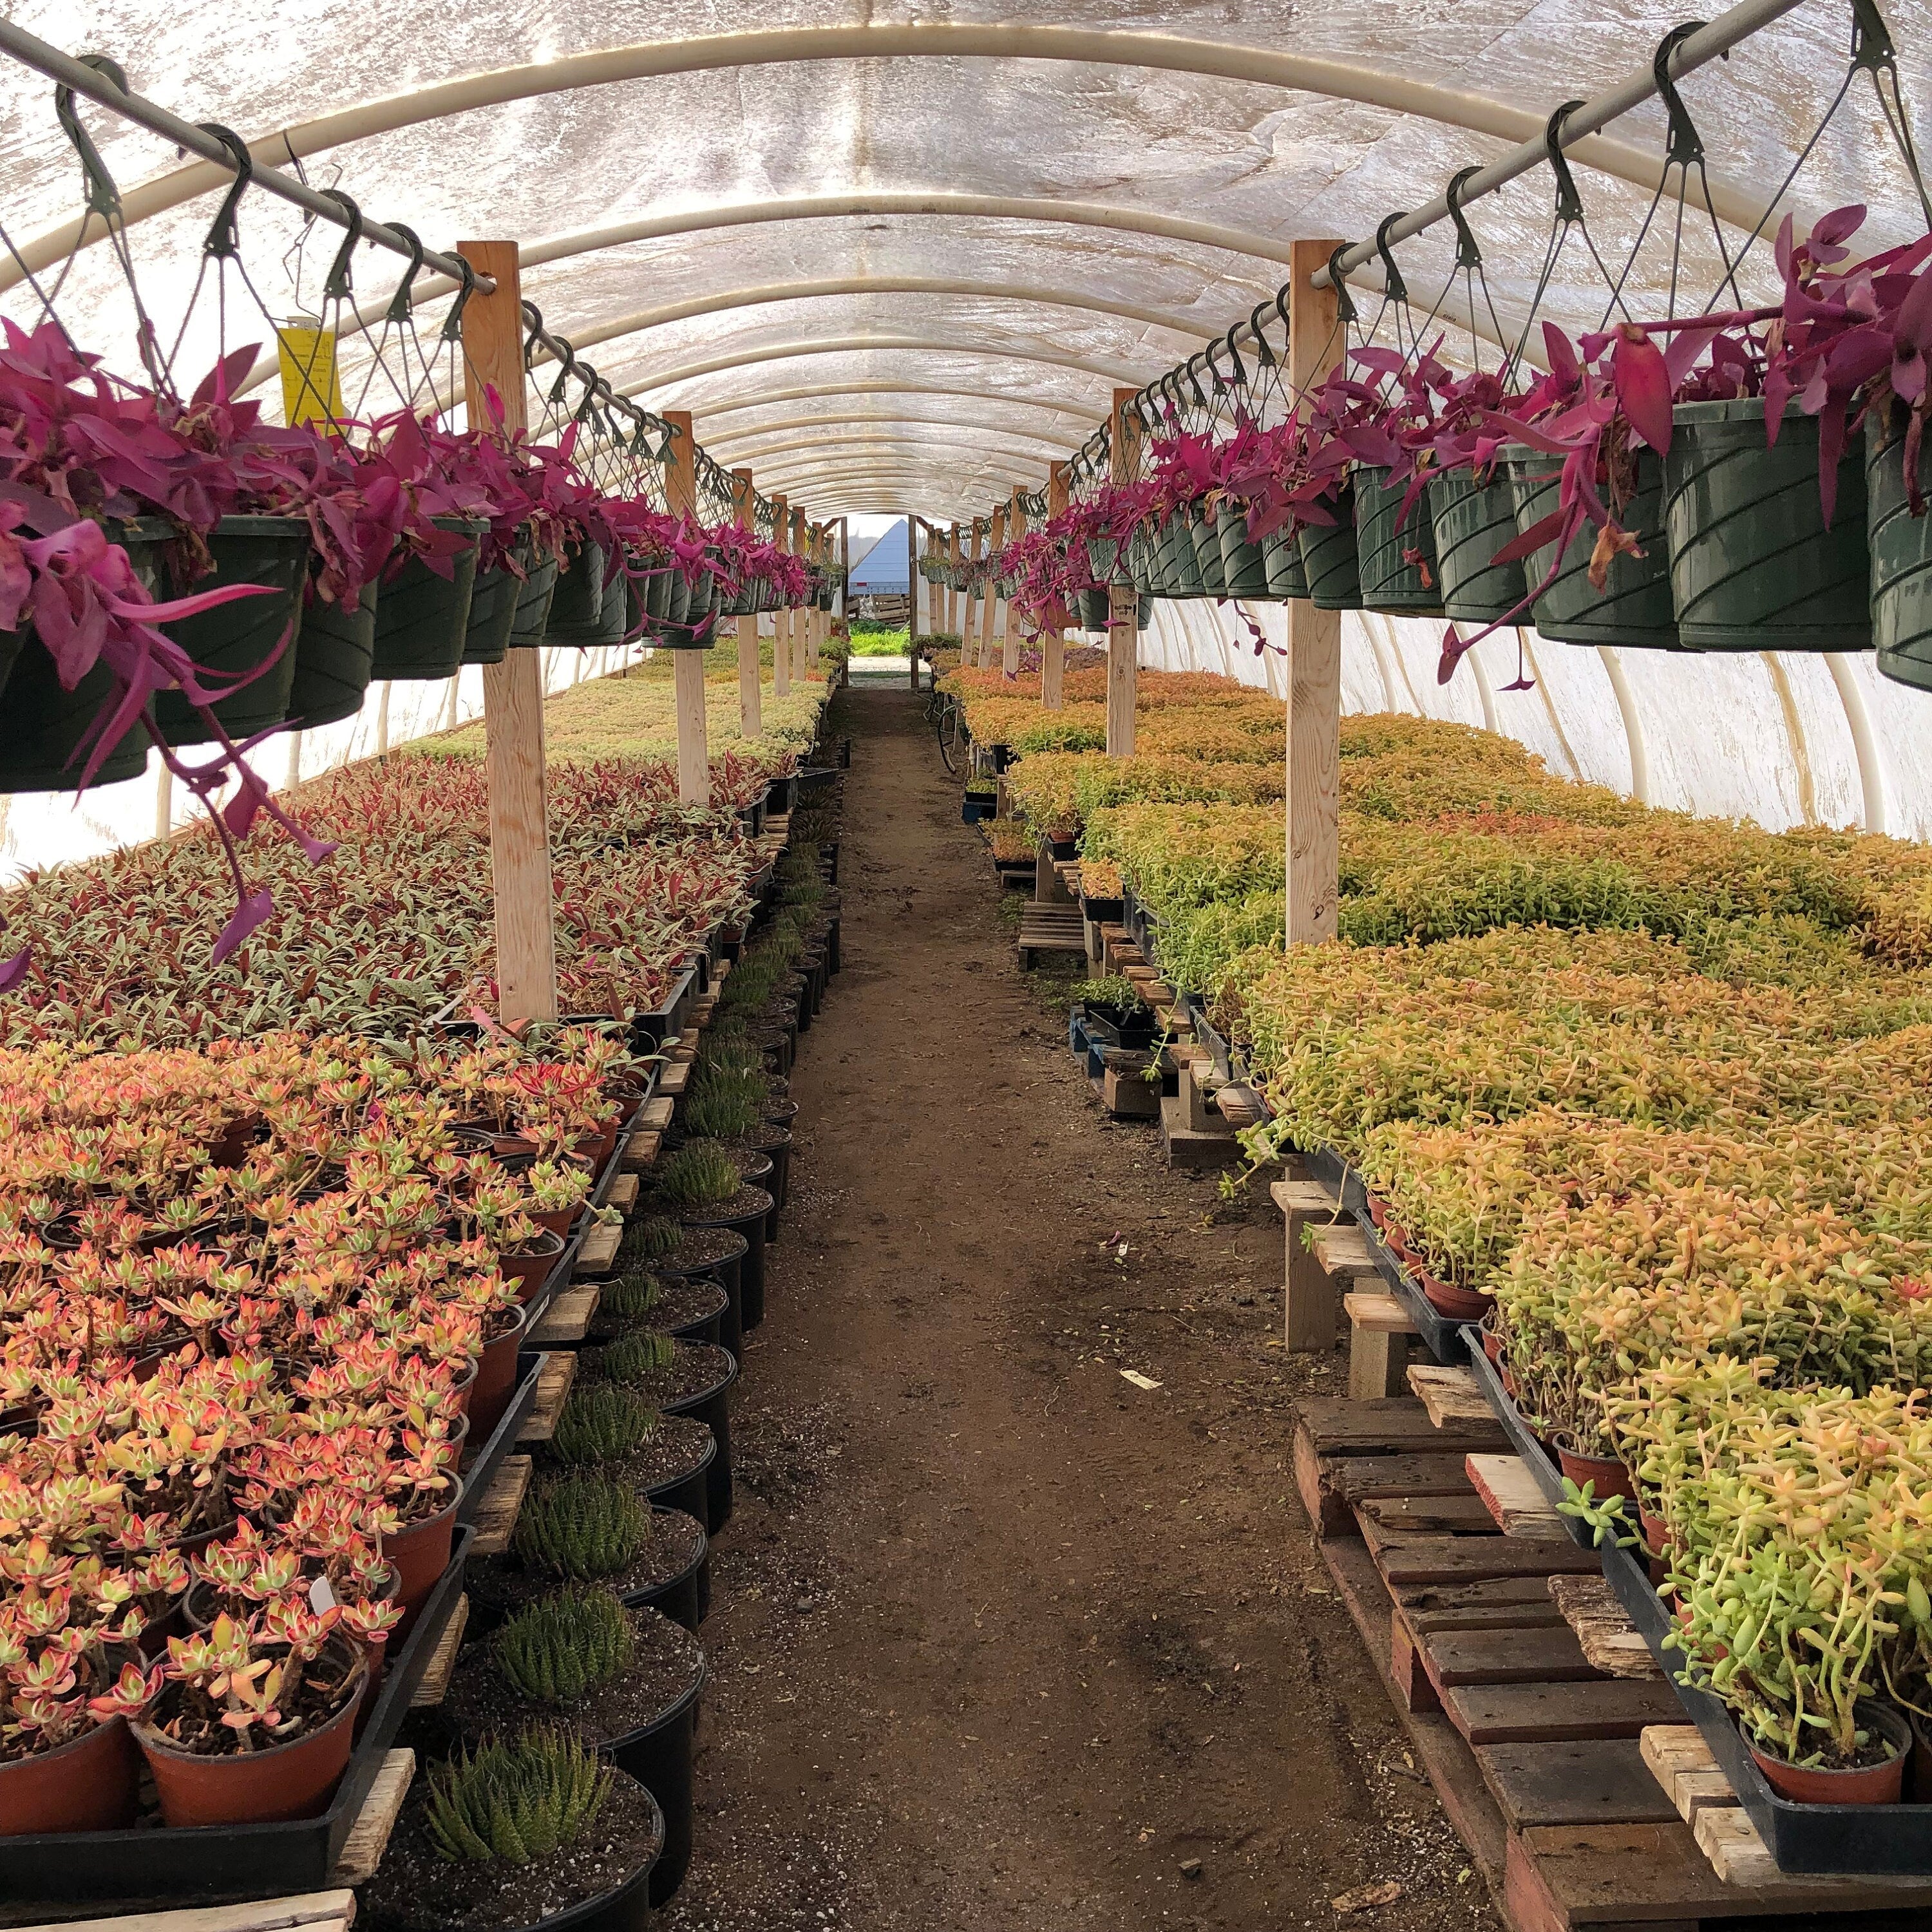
896 259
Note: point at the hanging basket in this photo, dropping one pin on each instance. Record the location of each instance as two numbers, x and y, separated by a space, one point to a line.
1390 584
1472 521
1330 558
421 617
1633 610
238 637
1094 607
695 624
334 651
533 603
41 724
657 589
1243 562
1901 560
1180 562
578 603
1752 567
493 611
1207 541
1281 552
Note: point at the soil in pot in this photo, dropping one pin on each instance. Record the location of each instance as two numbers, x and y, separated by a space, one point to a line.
688 1378
1878 1777
616 1433
663 1572
600 1878
689 1307
746 1212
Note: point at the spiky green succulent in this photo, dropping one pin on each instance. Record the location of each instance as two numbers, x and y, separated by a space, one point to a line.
515 1801
630 1297
581 1526
650 1239
635 1358
599 1421
562 1648
701 1173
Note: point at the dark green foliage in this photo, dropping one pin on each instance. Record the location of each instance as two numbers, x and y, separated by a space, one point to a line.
560 1648
600 1421
722 1112
631 1298
581 1526
699 1174
649 1240
515 1801
636 1358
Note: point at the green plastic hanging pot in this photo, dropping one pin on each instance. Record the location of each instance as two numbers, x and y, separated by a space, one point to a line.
1752 567
1389 582
493 610
334 652
1207 541
41 724
1331 559
238 637
1103 558
1142 553
533 603
1281 552
1633 609
1472 521
1901 560
1243 562
579 600
422 618
657 590
1183 579
1094 607
609 621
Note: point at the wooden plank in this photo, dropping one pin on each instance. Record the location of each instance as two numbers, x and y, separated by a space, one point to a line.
599 1255
1447 1393
568 1318
1610 1640
368 1838
1332 1486
1335 1426
1468 1559
1494 1603
694 751
675 1078
1343 1250
622 1194
433 1686
1307 1197
553 1382
640 1152
655 1115
1510 1493
1452 1512
335 1907
1122 599
751 691
1312 1305
1604 1707
1379 1314
1576 1781
1547 1654
1313 780
496 1514
781 619
1377 1354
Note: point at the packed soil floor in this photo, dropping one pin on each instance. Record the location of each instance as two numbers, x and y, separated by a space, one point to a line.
1002 1642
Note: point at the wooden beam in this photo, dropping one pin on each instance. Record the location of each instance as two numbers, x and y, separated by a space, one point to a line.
781 619
801 629
1053 645
1313 782
952 589
693 751
1009 655
751 691
1124 638
996 540
513 692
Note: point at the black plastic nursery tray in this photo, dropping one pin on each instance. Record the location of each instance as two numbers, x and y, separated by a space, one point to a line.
650 1030
1866 1840
482 1472
777 798
57 1875
1102 912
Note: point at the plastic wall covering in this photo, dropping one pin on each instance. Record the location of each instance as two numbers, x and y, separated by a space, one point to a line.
904 282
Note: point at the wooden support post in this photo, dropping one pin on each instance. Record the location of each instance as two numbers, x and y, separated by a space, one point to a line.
1053 645
1313 780
513 690
694 749
917 555
1123 639
1312 1302
996 539
820 623
1009 652
781 619
801 629
751 692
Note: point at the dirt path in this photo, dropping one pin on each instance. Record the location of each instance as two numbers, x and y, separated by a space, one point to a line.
1004 1643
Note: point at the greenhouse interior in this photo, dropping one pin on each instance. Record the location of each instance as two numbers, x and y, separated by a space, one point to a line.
1319 1313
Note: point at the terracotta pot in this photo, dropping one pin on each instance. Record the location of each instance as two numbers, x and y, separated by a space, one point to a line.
1610 1476
1395 1238
1451 1303
1871 1784
1378 1209
90 1783
1656 1542
1493 1347
559 1221
463 1391
528 1271
496 1377
260 1787
420 1552
600 1149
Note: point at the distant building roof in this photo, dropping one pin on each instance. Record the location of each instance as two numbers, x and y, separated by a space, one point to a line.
881 571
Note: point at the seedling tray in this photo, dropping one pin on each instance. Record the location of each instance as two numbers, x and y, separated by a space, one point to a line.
1891 1839
478 1478
55 1874
1133 1029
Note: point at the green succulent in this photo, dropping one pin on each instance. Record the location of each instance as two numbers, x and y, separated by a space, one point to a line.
600 1420
699 1174
721 1112
560 1648
650 1239
515 1802
635 1358
581 1526
631 1297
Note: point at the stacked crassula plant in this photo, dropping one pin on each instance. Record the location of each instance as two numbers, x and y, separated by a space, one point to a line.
562 1647
629 1298
517 1800
699 1175
636 1358
600 1422
582 1526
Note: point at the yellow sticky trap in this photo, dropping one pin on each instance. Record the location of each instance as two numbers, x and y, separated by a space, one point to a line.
310 392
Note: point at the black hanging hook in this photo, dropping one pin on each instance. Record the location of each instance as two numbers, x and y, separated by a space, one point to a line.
1393 287
224 241
1239 377
1345 304
1569 202
1469 253
1190 369
1871 39
104 198
1213 371
1264 351
452 323
400 303
569 361
336 286
534 316
1686 144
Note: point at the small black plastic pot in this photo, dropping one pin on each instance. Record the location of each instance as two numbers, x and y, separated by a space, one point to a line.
658 1756
678 1597
775 1144
41 724
730 1274
781 1113
691 1493
751 1270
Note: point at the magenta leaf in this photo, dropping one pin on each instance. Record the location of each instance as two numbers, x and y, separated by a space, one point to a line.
1643 380
248 915
15 970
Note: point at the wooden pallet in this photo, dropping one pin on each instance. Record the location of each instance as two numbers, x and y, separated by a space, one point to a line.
622 1194
553 1382
368 1838
433 1685
568 1318
1346 1453
640 1151
1050 929
598 1257
497 1513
